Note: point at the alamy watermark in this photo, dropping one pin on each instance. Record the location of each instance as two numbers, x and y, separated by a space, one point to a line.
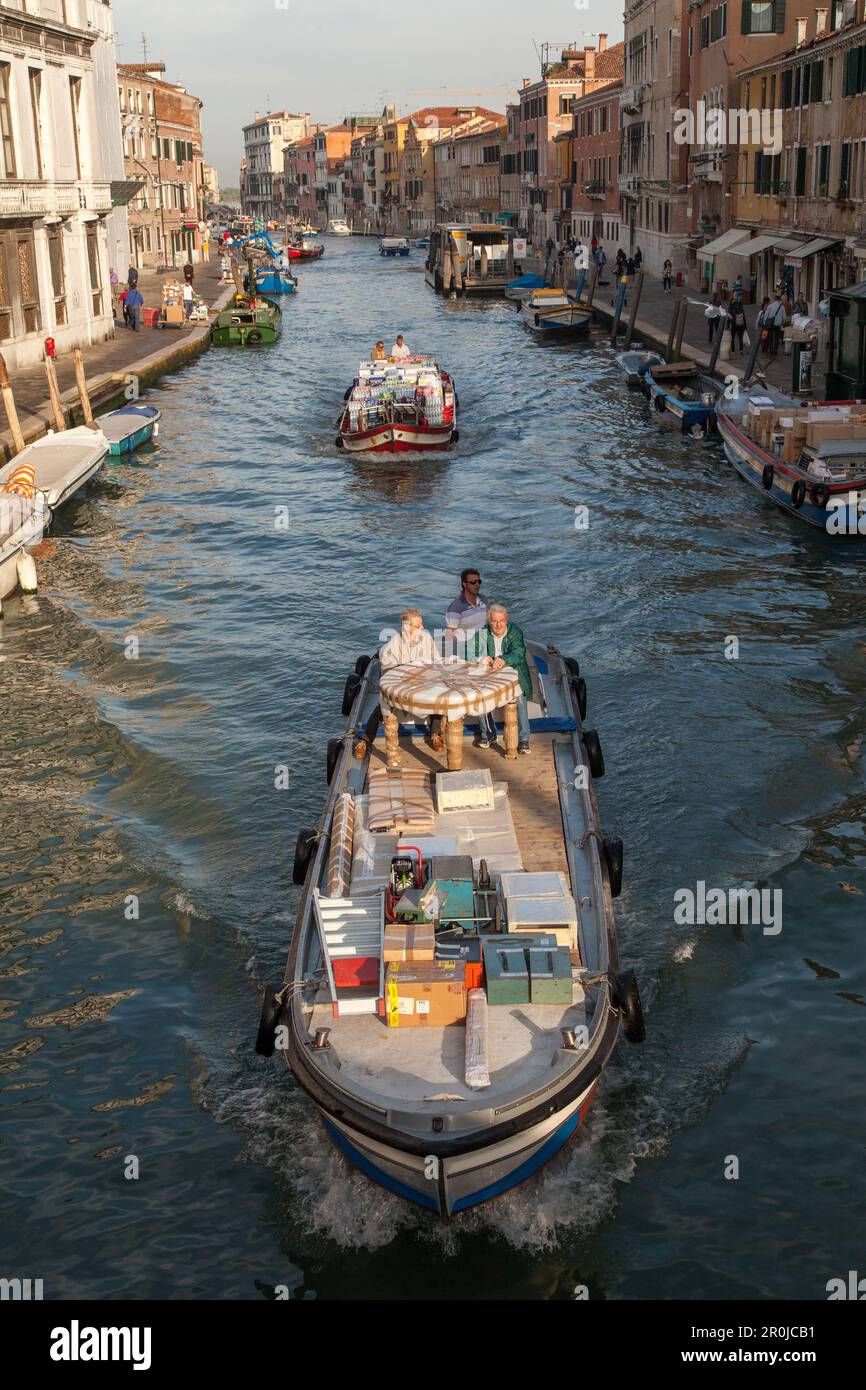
713 127
716 907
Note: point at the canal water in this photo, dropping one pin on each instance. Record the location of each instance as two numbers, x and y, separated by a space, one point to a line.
196 622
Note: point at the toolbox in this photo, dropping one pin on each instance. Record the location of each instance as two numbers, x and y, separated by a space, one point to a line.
507 972
451 866
456 901
549 975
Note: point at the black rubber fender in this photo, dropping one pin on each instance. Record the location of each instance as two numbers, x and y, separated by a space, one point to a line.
361 665
578 685
595 757
304 848
768 476
350 691
273 1012
820 494
626 999
613 852
254 337
798 494
571 665
334 747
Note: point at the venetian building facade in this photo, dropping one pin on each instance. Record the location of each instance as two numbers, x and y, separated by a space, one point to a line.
60 172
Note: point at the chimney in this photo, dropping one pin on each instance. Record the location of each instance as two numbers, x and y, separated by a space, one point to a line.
257 115
589 62
602 42
820 22
526 81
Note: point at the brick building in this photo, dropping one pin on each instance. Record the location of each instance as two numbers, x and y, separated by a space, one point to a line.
589 168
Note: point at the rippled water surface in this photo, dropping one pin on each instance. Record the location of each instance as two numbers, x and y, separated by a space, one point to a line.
145 852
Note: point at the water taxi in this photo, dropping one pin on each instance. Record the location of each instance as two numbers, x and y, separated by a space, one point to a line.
399 407
247 323
394 246
682 396
453 991
551 313
809 457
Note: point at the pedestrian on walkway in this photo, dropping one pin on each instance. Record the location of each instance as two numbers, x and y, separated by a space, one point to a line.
712 314
775 321
667 276
801 305
737 317
638 258
132 277
630 267
134 302
113 281
188 273
188 299
593 245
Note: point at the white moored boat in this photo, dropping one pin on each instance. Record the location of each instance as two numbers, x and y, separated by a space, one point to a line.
453 989
22 521
62 463
338 226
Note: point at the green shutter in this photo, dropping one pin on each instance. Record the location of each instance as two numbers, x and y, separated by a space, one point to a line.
778 16
787 84
817 83
746 17
852 71
843 169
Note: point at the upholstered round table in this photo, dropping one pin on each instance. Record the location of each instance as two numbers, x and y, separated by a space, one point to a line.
455 690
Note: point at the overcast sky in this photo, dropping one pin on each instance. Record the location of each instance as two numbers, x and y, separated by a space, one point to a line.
333 57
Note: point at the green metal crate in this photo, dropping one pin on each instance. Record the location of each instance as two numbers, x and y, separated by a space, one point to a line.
549 975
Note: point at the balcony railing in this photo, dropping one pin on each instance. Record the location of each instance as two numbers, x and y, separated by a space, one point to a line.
631 99
18 197
595 188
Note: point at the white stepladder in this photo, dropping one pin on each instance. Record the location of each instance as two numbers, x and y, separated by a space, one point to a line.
352 929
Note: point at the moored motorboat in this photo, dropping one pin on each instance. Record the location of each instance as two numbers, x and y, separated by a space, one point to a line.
634 365
247 323
275 279
22 521
305 245
522 287
399 407
394 246
453 990
129 427
683 396
808 456
552 312
338 226
62 464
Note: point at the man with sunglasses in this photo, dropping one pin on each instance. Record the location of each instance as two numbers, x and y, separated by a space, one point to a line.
466 618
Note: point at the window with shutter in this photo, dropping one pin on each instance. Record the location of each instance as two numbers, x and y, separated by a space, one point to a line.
817 82
804 94
778 16
787 88
800 186
845 169
705 31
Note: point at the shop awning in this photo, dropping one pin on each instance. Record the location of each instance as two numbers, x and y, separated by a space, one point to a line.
124 190
766 243
723 242
819 243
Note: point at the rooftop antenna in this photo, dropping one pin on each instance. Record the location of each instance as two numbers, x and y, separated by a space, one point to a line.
144 47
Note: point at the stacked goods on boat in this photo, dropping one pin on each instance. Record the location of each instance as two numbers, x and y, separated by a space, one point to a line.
430 917
796 429
380 385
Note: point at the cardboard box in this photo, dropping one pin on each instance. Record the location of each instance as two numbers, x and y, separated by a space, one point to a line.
819 432
174 313
409 942
425 994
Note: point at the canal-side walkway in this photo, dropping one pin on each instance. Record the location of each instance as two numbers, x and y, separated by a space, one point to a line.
145 355
655 312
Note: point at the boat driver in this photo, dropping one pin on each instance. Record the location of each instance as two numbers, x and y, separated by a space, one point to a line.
401 350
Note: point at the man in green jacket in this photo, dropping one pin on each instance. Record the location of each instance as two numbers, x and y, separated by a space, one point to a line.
506 647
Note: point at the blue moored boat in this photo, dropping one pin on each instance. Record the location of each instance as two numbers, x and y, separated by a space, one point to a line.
394 246
275 279
683 396
128 428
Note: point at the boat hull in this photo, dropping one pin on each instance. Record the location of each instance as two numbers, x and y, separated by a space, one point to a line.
750 462
450 1185
315 254
397 439
685 416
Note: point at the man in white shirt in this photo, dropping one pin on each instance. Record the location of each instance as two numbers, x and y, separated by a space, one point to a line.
411 646
400 351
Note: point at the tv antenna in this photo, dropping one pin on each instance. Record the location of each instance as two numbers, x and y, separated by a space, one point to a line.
144 47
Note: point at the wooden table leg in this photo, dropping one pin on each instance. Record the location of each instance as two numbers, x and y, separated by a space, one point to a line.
511 732
453 729
392 739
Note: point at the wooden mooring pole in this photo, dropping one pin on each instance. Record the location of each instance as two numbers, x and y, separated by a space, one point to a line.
675 318
681 328
632 318
81 381
10 407
54 393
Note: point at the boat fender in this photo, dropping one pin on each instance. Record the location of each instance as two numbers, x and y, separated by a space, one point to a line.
578 686
625 997
820 494
304 847
350 690
613 858
272 1016
659 403
27 581
334 746
595 757
339 442
537 320
361 665
571 665
455 437
254 337
798 494
768 475
348 392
